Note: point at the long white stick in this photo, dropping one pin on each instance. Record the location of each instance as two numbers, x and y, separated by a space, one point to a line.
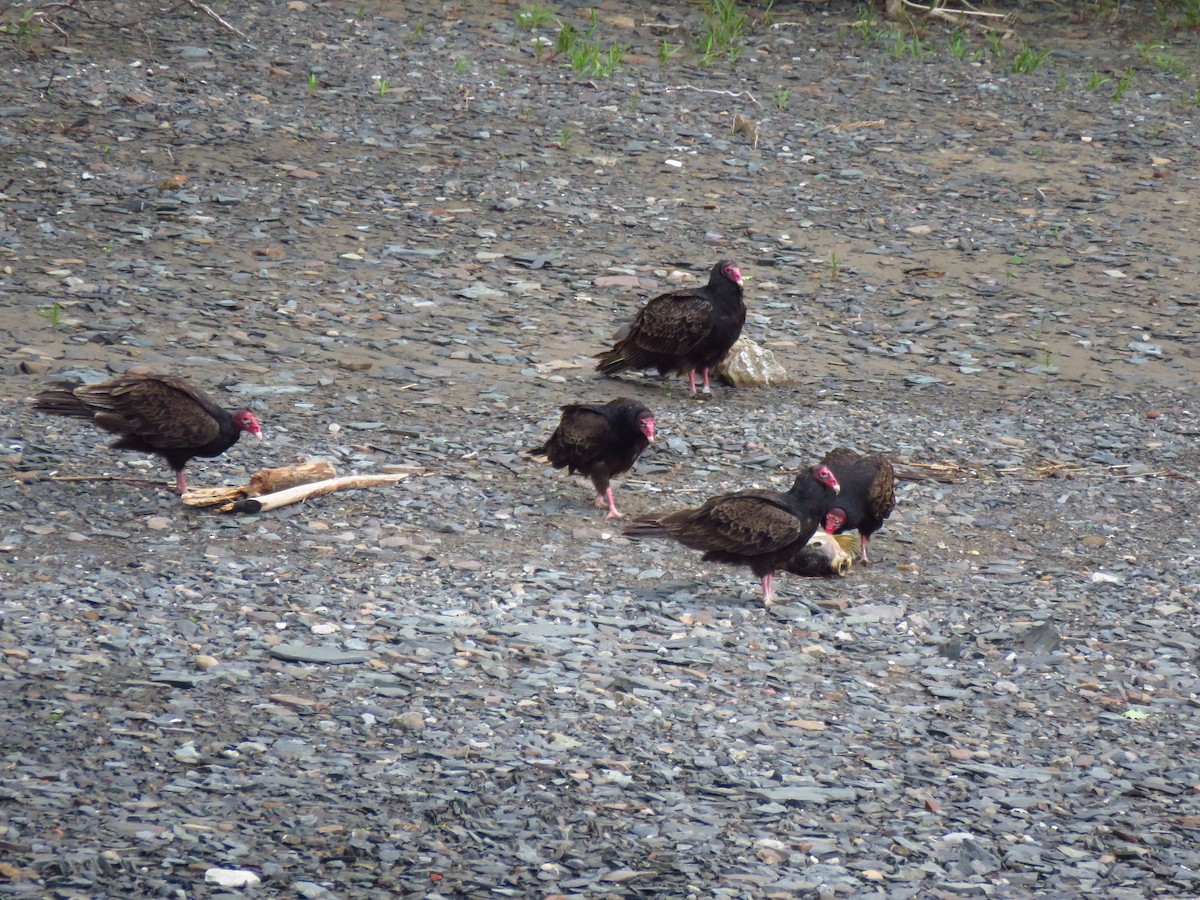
306 491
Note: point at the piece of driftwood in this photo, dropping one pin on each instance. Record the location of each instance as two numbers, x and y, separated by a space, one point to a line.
267 481
308 491
264 481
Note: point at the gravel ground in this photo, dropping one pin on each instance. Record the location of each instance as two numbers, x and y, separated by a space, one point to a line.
470 684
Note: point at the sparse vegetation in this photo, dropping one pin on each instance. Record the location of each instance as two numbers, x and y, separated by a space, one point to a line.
24 30
781 96
1164 61
722 30
1095 81
666 50
1122 85
958 45
568 37
385 85
462 65
313 82
1180 13
590 59
867 24
1027 60
531 18
835 265
910 46
565 139
53 314
585 54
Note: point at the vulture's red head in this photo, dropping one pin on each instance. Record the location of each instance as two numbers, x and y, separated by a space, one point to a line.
244 420
825 476
645 424
834 520
732 272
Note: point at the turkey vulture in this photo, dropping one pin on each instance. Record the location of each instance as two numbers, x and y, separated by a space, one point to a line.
760 529
159 414
600 440
683 331
868 494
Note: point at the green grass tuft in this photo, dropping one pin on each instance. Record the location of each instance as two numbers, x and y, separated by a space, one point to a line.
722 31
531 18
1027 60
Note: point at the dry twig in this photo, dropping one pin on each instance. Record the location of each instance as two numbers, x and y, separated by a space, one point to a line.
1063 470
856 126
671 88
937 11
208 11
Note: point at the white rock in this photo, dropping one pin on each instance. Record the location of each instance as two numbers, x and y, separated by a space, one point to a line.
231 878
749 365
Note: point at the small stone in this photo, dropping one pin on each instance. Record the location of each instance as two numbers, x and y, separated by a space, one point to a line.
412 721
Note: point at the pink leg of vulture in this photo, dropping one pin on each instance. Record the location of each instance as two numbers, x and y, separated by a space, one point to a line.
180 482
613 512
692 380
862 554
707 389
768 590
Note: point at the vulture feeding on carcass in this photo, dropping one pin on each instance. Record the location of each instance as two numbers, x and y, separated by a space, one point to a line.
600 440
763 530
825 555
159 414
868 494
682 331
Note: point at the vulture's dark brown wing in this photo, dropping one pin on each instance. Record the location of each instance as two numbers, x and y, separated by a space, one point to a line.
672 324
881 495
750 523
164 411
842 458
583 436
